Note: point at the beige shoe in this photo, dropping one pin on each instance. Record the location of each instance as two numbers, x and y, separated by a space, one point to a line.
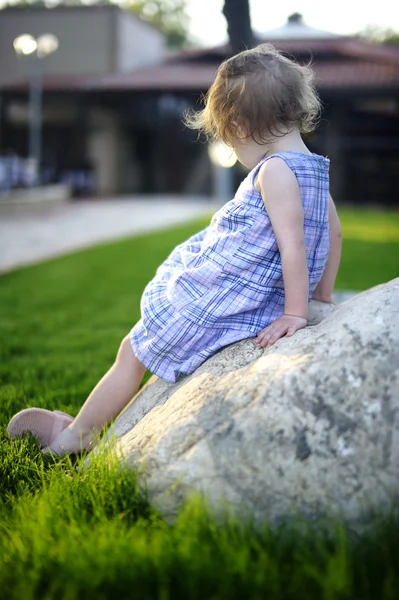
44 424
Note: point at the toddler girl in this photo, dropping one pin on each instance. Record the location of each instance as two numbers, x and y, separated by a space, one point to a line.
252 271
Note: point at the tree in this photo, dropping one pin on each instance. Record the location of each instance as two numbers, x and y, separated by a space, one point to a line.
238 24
381 35
169 16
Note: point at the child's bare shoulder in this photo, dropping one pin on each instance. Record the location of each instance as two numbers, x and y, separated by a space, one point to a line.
274 173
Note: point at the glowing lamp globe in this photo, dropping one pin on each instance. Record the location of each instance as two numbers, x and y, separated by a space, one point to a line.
46 44
25 44
221 155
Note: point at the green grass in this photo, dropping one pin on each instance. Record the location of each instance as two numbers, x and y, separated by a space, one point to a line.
68 533
370 252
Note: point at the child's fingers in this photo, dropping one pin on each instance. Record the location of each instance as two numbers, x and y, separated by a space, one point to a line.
280 332
275 331
270 335
263 336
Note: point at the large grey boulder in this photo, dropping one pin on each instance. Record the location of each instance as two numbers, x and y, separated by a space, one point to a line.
310 424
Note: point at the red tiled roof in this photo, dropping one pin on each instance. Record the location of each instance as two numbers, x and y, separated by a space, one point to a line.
339 63
357 48
331 74
359 74
178 76
342 46
52 84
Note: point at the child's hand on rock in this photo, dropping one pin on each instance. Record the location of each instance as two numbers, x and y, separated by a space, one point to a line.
286 325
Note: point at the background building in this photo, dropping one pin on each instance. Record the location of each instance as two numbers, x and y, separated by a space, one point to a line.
114 102
79 134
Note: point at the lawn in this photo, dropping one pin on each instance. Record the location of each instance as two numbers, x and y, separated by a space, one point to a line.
68 533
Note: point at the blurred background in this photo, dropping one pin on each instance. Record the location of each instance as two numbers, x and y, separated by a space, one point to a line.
92 95
93 148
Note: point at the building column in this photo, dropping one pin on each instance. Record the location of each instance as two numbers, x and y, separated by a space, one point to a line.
335 149
104 150
2 123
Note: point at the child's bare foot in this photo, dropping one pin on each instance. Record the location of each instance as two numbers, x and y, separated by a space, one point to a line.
70 441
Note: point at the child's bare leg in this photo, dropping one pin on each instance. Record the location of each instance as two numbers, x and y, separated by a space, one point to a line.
108 398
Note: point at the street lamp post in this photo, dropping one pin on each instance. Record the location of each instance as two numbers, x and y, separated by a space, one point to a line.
38 48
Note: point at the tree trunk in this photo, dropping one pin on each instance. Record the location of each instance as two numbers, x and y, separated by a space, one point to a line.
238 24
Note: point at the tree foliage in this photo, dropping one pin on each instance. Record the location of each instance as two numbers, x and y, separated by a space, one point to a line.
169 16
381 35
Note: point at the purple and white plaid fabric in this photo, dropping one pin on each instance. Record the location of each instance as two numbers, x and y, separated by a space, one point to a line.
225 283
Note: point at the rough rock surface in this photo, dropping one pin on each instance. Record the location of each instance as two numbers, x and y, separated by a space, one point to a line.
309 425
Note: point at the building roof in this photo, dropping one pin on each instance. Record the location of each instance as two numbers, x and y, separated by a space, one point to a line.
345 46
339 63
296 28
51 84
356 74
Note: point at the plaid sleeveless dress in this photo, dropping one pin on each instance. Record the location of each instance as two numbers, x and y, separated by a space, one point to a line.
225 283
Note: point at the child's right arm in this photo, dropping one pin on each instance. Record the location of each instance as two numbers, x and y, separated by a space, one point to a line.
325 286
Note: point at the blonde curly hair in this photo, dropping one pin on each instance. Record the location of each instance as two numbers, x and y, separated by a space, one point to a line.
263 92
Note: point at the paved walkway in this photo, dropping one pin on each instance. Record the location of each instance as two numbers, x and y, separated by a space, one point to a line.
34 237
